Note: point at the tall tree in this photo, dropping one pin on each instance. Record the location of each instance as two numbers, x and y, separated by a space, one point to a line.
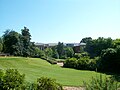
69 51
1 44
60 49
48 52
26 37
11 42
95 47
86 40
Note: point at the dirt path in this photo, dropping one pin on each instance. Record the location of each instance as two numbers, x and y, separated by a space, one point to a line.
73 88
60 63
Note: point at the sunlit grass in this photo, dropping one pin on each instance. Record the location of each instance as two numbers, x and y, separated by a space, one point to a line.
35 67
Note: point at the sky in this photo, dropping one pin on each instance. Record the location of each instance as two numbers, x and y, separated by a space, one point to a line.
51 21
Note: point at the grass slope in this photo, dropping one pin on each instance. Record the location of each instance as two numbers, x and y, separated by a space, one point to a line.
35 67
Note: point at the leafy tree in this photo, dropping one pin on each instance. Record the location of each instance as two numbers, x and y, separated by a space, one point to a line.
36 52
116 42
69 52
11 42
26 37
55 53
95 47
86 40
48 52
60 49
108 60
1 44
1 47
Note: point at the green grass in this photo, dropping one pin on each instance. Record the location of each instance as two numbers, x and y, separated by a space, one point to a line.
35 67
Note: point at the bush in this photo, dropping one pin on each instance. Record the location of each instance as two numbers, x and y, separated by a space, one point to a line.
100 83
83 63
11 80
45 83
70 63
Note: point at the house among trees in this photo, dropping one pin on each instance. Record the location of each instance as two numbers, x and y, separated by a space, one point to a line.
77 47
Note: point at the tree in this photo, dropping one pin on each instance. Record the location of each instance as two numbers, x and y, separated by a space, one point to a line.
11 42
116 42
1 45
95 47
86 40
60 49
26 37
109 61
48 52
37 52
55 53
69 52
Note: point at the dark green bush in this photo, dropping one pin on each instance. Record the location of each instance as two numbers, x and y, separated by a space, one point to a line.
70 63
45 83
83 63
11 80
100 83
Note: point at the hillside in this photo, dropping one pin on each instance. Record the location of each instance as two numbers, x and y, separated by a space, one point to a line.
35 67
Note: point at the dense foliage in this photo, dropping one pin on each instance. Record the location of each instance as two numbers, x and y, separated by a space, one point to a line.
45 83
102 83
13 80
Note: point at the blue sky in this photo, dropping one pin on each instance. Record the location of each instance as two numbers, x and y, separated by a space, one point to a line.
62 20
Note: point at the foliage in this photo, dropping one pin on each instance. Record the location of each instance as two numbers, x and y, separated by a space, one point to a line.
60 49
110 58
69 52
11 80
1 44
70 63
37 53
26 37
82 63
102 83
116 42
95 47
36 67
86 40
11 42
45 83
48 53
85 63
1 47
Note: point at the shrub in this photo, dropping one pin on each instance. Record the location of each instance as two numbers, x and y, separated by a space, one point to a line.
83 63
100 83
45 83
70 63
11 80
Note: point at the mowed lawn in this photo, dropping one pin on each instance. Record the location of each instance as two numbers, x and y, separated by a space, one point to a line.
34 68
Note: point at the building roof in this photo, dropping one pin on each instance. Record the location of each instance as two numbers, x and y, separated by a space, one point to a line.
82 44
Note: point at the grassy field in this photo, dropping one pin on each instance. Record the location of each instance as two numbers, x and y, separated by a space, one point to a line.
35 67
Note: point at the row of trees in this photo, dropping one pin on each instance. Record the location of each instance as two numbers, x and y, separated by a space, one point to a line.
18 44
103 55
